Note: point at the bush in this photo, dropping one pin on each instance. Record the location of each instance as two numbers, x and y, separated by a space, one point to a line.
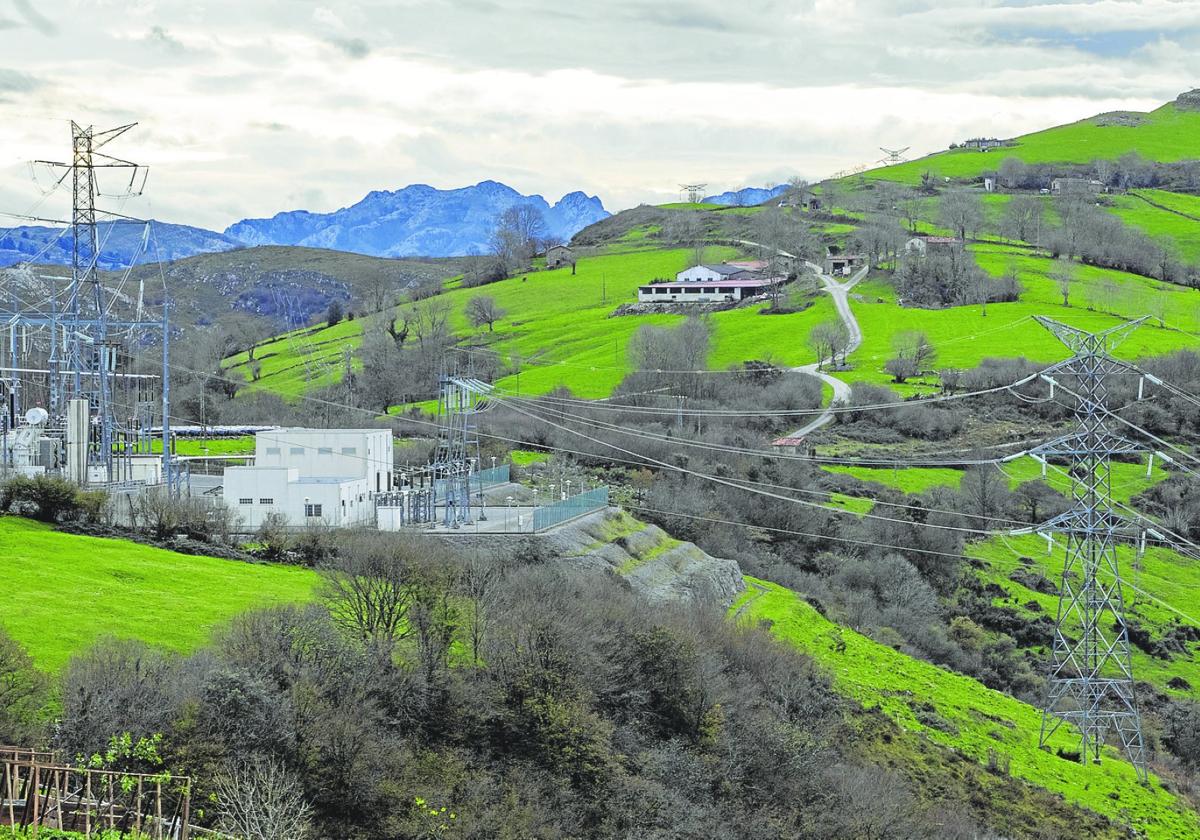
51 499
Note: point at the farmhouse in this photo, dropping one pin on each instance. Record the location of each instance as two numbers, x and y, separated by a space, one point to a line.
1076 186
932 245
711 284
558 256
982 143
312 476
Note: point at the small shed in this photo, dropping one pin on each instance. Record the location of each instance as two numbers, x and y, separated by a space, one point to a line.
843 264
559 255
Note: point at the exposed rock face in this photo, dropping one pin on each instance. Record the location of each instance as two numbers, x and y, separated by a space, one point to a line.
1189 101
654 565
747 196
644 557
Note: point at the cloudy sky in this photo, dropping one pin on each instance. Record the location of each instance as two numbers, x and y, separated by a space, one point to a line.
249 107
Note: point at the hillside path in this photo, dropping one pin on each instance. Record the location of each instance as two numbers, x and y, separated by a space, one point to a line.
840 292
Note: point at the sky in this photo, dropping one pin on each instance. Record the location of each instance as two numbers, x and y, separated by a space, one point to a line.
248 108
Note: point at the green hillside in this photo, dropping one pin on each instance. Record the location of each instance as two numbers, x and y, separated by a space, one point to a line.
62 591
1165 134
958 713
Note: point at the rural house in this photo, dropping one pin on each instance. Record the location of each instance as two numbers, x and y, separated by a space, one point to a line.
932 245
558 256
721 283
1076 186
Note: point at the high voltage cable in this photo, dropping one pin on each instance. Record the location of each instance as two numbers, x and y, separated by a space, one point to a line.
731 449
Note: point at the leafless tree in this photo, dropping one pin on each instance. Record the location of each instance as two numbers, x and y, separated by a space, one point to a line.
1022 219
913 354
262 801
483 309
962 212
829 339
1064 276
518 233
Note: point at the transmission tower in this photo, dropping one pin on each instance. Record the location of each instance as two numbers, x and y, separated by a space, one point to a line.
893 155
457 457
95 404
1091 682
694 192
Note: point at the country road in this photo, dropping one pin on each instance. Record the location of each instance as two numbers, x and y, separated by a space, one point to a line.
840 292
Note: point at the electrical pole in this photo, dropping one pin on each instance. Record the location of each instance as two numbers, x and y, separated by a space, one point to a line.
1091 684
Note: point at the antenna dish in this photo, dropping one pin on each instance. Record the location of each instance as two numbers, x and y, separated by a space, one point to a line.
36 416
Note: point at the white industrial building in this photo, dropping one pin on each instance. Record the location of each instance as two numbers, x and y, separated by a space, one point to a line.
312 476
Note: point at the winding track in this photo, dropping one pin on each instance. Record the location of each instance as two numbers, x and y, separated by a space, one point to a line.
840 292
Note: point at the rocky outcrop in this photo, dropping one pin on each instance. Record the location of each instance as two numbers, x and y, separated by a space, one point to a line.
1189 101
651 562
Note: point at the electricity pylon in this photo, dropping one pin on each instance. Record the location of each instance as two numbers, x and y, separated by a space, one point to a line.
694 192
893 155
1091 682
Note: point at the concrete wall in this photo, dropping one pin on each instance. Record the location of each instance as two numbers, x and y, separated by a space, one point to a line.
697 274
255 492
351 453
649 294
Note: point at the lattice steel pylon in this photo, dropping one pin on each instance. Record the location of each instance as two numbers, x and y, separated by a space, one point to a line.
457 457
1091 683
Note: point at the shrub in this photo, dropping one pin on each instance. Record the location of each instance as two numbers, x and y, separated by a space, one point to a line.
51 498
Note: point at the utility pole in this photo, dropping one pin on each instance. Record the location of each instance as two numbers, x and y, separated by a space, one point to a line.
1091 684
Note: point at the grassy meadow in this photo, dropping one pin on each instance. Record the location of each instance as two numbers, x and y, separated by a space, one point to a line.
62 591
959 713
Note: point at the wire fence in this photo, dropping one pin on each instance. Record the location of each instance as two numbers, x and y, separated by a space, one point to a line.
550 515
480 480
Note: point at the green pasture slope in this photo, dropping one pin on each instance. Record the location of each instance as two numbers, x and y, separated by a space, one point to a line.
1165 134
557 328
62 591
959 713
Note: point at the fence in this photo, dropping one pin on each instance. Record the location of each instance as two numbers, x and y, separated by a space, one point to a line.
480 480
37 792
559 512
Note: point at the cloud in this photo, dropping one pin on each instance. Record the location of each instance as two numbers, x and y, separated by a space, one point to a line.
624 99
160 36
34 18
351 47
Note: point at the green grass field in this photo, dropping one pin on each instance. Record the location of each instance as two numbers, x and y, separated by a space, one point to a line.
1160 224
959 713
557 329
61 591
1165 134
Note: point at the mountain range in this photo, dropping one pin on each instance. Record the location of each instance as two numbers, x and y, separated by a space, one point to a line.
418 220
745 197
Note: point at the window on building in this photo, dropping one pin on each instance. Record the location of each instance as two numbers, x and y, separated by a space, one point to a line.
245 501
312 510
692 291
272 450
296 450
661 291
710 290
349 450
325 450
266 501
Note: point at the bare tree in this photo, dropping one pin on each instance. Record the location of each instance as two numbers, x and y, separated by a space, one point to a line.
517 235
1022 219
1064 276
962 212
914 353
483 309
262 801
829 339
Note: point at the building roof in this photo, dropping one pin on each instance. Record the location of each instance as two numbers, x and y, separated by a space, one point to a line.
749 265
558 248
724 269
846 257
940 240
718 284
788 441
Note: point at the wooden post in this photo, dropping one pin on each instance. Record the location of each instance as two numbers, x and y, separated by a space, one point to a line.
137 819
187 808
9 770
35 783
87 811
112 815
158 826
